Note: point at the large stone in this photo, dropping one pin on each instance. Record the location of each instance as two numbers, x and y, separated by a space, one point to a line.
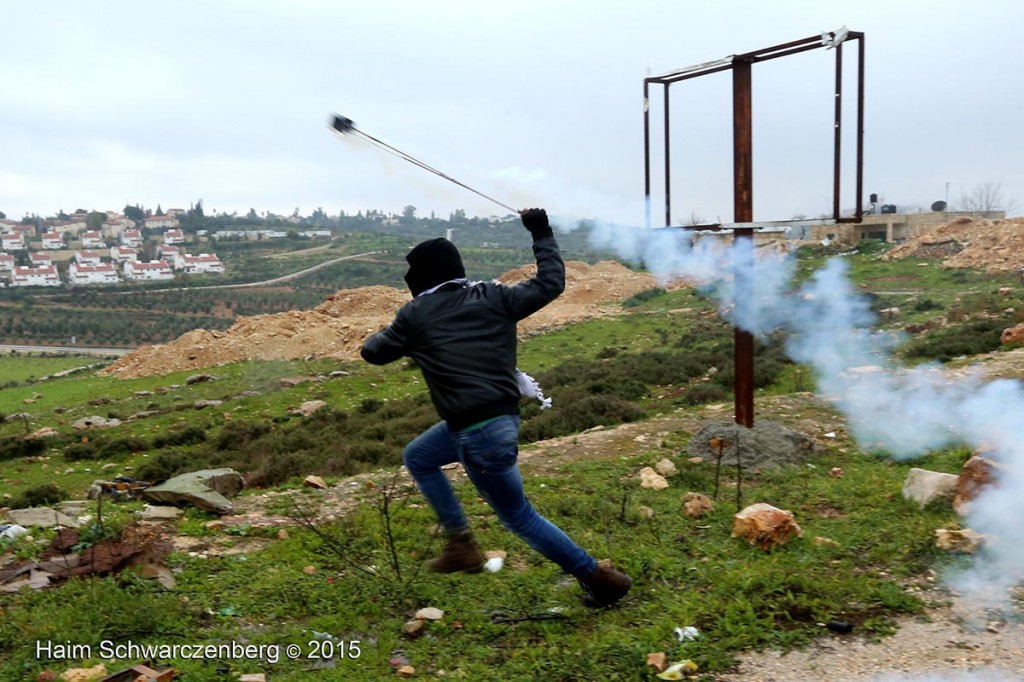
977 473
651 479
307 408
95 422
765 526
696 505
208 490
1013 334
766 445
924 487
42 517
959 540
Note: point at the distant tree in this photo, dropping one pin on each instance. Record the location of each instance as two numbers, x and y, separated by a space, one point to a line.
61 215
409 213
80 211
3 216
252 214
160 211
295 213
987 196
95 220
135 213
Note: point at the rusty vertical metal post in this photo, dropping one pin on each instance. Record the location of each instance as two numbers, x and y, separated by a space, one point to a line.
647 153
668 186
838 143
743 246
860 127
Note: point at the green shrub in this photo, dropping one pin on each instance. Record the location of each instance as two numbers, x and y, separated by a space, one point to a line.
14 447
39 496
642 297
970 338
167 465
234 435
190 435
705 393
79 451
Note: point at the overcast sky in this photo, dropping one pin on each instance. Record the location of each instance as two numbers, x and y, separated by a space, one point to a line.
109 102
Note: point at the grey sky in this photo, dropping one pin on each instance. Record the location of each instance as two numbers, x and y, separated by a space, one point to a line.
535 103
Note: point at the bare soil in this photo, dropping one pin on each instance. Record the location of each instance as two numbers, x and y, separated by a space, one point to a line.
338 326
990 245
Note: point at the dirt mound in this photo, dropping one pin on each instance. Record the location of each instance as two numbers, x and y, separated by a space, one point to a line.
337 327
990 245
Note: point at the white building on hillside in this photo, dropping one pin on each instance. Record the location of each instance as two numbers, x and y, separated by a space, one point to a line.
151 271
44 276
120 254
38 258
12 241
88 257
131 238
167 252
201 264
158 221
6 262
174 237
93 239
53 240
104 273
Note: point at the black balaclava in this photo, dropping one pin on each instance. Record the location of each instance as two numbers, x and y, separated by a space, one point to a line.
431 263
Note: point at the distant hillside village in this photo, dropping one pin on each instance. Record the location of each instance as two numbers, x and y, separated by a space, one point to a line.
91 248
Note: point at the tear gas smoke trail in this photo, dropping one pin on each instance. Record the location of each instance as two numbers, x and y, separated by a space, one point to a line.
904 411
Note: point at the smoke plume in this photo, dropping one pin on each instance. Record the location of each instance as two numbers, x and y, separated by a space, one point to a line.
903 411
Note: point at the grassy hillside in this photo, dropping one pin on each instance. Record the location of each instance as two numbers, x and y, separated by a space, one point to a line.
355 580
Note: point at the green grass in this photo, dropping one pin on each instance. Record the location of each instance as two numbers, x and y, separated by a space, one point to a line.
18 367
525 622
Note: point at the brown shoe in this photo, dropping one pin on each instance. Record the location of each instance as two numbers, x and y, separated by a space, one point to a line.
461 553
605 586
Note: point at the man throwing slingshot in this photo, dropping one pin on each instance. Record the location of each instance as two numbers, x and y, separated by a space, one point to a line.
463 337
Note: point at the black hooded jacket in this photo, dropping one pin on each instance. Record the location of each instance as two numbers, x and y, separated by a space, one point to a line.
464 339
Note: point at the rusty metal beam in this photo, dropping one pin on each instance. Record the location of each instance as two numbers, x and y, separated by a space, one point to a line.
743 212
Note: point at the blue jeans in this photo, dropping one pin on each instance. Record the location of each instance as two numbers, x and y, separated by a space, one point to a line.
488 453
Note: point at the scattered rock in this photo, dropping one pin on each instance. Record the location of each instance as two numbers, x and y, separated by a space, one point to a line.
253 677
159 513
429 613
696 505
47 676
765 526
413 629
406 671
94 422
836 472
102 400
767 444
924 487
84 674
339 373
45 432
965 540
200 404
818 540
313 481
307 408
208 490
199 378
309 570
977 473
646 512
666 468
658 661
1013 334
40 517
651 479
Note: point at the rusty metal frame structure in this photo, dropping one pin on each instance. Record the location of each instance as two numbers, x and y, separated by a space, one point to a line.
743 198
